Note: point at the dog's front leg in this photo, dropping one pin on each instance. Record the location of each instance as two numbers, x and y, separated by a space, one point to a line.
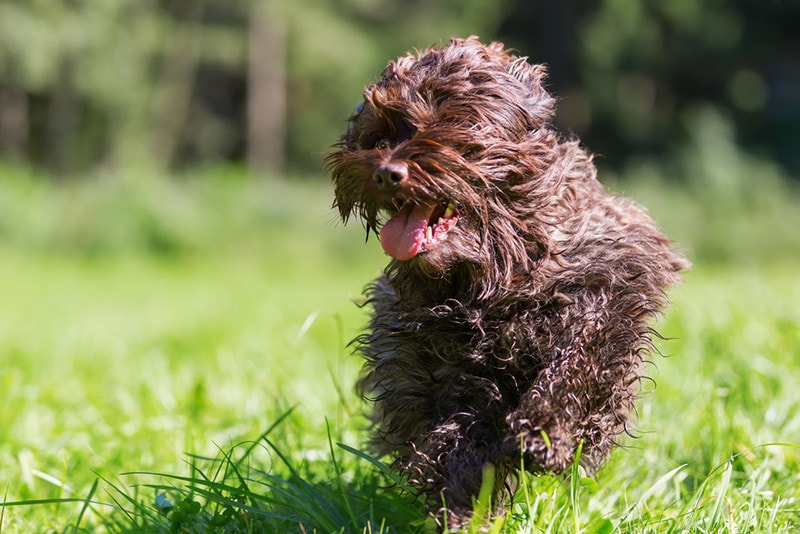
449 464
579 398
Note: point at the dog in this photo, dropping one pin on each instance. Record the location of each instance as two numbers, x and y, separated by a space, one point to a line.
510 327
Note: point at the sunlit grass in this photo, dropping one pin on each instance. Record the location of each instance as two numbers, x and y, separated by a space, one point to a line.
186 369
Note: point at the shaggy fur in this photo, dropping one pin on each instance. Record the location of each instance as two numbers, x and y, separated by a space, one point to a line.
513 319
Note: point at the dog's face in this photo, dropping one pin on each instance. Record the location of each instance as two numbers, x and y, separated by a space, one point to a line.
438 158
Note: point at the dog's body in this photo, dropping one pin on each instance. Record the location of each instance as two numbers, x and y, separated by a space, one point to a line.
511 324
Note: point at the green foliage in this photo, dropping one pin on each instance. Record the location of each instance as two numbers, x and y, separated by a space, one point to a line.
627 72
117 83
336 49
100 55
86 85
725 204
220 211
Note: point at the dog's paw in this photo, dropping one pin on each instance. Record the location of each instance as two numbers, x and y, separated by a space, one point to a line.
540 451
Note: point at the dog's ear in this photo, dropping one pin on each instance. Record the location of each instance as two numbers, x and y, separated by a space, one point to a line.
529 74
539 103
351 121
533 76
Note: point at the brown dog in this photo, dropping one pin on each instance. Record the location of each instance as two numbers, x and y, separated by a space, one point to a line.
513 317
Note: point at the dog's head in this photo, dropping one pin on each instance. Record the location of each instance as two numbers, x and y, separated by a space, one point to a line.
438 159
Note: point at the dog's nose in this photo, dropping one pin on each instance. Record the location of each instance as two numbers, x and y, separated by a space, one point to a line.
390 175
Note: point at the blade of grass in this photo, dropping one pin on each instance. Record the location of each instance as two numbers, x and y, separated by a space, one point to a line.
268 431
385 469
3 509
721 492
573 489
85 504
337 469
652 490
483 504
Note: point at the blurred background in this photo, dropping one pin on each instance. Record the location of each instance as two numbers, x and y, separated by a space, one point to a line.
699 96
173 277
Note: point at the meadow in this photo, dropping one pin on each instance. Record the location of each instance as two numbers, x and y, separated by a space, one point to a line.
173 359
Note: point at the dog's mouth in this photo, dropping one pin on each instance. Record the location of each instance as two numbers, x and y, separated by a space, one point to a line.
416 228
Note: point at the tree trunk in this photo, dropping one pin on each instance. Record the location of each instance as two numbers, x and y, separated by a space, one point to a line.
63 117
266 90
13 122
176 84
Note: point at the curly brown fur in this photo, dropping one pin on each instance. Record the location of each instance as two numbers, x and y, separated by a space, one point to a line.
517 322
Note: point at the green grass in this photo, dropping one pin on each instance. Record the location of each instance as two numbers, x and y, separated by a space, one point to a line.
172 358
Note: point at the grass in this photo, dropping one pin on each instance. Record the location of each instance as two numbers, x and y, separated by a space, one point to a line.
172 359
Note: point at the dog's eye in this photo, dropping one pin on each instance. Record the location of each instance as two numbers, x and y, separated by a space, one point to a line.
382 144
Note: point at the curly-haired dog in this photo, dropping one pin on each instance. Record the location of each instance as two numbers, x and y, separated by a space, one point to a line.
513 317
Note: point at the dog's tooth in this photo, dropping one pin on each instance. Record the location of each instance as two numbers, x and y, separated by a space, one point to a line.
428 233
450 210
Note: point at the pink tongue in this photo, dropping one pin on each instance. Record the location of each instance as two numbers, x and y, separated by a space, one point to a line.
402 235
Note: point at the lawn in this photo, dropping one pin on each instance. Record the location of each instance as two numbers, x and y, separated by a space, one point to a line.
173 358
